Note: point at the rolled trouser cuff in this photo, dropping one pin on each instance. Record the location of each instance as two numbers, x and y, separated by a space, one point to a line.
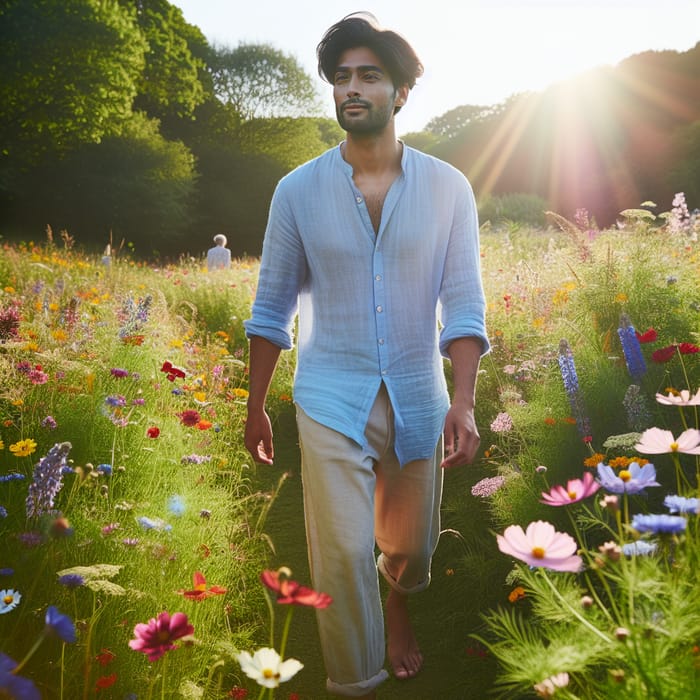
355 690
421 586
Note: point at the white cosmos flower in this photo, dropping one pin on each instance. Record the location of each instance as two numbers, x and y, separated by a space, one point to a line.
266 667
682 399
655 441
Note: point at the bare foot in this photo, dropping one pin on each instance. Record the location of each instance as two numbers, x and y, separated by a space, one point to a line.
404 654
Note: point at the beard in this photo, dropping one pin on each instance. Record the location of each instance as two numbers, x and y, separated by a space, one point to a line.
371 120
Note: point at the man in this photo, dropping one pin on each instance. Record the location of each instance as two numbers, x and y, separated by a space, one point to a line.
219 257
366 243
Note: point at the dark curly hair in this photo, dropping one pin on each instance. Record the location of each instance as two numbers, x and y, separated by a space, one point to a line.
362 29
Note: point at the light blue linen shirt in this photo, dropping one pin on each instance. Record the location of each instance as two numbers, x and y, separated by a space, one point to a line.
372 308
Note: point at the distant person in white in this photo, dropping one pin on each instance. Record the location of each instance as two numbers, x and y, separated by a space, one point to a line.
219 257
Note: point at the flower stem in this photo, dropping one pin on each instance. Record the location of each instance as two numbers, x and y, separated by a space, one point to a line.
285 631
30 653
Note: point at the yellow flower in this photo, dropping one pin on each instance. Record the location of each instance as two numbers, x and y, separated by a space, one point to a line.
621 298
516 594
59 335
240 393
200 396
2 445
10 290
23 448
176 343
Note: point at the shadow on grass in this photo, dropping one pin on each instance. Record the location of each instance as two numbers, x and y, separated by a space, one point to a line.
467 578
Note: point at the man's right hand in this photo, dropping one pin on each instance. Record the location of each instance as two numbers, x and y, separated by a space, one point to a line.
258 437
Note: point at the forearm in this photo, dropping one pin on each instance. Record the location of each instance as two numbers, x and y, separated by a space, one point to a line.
465 354
263 359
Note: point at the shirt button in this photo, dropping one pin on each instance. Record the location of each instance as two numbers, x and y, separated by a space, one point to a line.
381 341
379 309
378 277
383 371
358 199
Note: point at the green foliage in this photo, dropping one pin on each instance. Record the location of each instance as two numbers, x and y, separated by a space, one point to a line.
515 208
70 72
260 81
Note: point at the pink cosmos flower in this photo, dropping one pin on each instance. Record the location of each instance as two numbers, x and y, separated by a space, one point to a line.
576 490
541 545
683 398
157 637
656 441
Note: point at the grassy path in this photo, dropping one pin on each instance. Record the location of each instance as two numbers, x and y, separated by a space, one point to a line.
445 615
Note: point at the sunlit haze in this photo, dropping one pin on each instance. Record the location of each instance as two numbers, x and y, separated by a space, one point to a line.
476 52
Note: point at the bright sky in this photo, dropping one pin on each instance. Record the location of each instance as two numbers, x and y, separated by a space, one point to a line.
476 52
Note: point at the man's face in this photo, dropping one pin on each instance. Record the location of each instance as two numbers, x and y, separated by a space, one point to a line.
365 97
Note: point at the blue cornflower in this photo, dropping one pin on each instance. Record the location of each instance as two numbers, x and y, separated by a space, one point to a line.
116 400
3 512
639 548
105 469
632 480
12 476
567 366
153 523
13 686
71 580
659 524
176 505
7 571
9 600
679 504
631 348
60 624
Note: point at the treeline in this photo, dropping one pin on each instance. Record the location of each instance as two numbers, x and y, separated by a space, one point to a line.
605 141
120 122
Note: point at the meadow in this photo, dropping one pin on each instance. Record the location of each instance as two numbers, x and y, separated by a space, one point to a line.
135 528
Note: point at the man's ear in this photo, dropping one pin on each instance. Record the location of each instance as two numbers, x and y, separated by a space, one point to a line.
401 96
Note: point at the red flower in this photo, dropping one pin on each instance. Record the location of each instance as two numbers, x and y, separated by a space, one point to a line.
105 682
649 336
133 339
238 693
664 354
105 657
153 431
201 591
204 424
290 592
156 637
171 371
190 417
688 349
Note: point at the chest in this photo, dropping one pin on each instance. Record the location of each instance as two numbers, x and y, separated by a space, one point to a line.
374 191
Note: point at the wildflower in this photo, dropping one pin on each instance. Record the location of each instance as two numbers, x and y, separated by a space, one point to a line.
632 480
9 600
586 602
204 424
682 398
116 400
190 417
621 633
172 372
13 686
105 682
567 367
49 422
139 401
237 693
593 460
109 529
104 469
199 588
290 592
656 441
659 524
153 524
71 581
3 512
649 336
502 423
518 593
153 432
47 480
9 323
7 571
119 373
540 469
631 349
195 459
688 348
59 624
549 686
664 355
488 486
105 657
23 448
157 637
611 550
266 667
176 505
38 376
576 490
541 545
640 547
679 504
636 407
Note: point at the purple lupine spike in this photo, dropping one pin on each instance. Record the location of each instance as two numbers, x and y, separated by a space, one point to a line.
567 367
48 476
631 348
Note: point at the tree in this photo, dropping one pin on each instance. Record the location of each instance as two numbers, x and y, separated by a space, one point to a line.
259 81
170 84
456 120
69 76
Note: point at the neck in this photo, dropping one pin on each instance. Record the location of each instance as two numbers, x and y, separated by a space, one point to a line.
373 153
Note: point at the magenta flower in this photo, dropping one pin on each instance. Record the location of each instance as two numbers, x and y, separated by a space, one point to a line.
576 490
157 636
542 546
656 441
683 398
